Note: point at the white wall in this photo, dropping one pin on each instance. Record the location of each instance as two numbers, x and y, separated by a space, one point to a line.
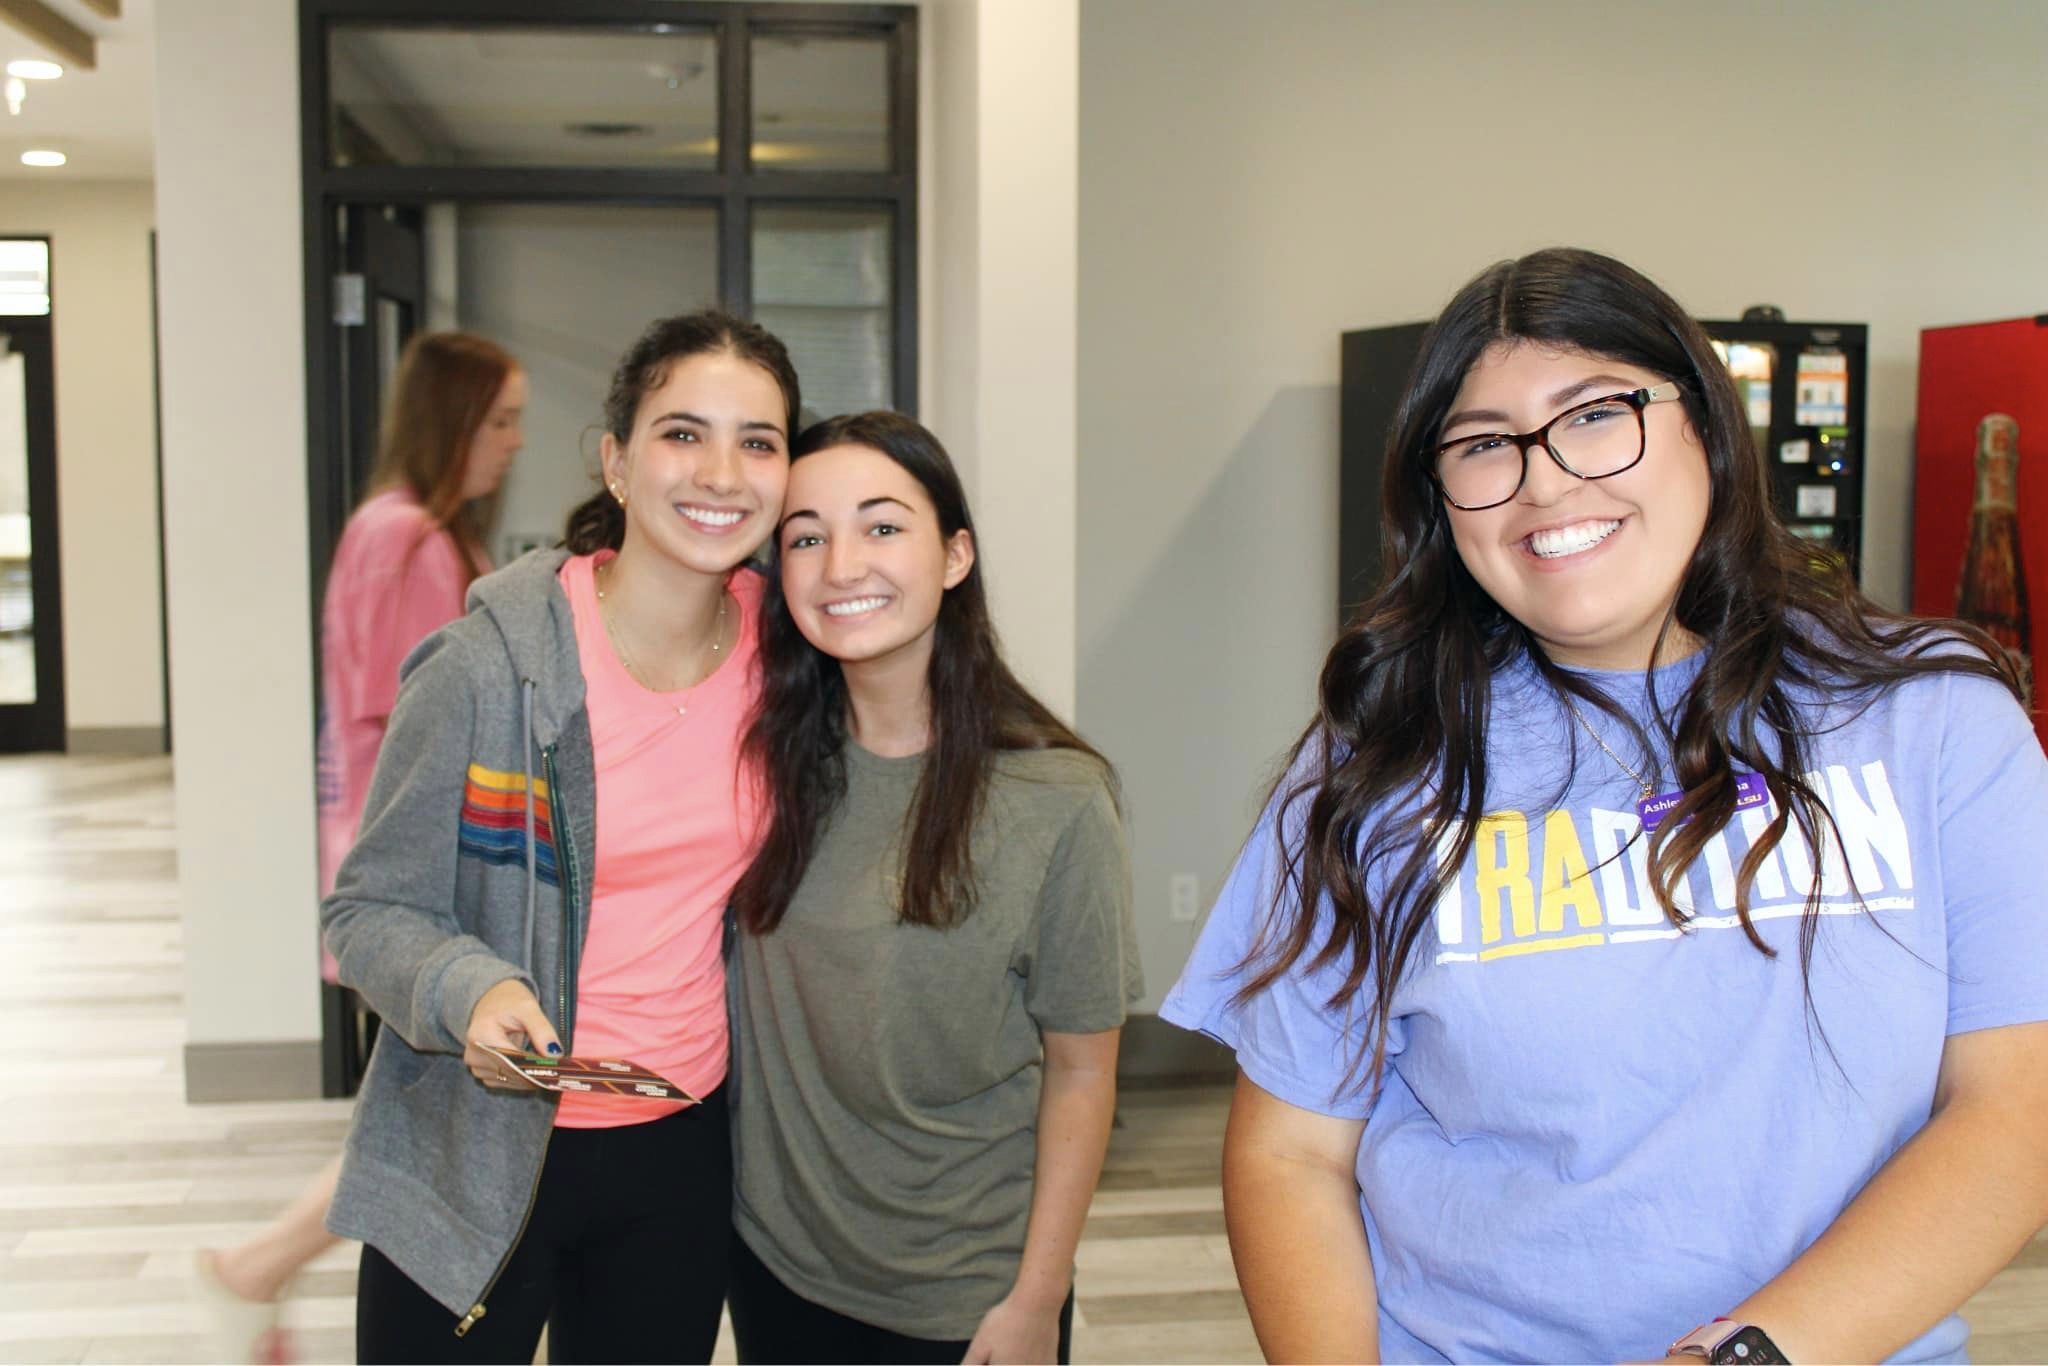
106 441
1256 180
1252 181
234 418
949 199
1003 396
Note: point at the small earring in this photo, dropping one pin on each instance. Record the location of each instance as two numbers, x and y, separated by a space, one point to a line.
618 494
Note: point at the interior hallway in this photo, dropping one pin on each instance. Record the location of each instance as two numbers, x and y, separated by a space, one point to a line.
108 1180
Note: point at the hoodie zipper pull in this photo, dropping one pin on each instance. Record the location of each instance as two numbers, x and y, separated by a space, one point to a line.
476 1311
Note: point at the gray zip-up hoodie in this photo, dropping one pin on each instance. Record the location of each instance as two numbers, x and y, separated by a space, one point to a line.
471 867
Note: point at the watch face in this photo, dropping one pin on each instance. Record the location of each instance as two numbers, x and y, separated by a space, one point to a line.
1749 1346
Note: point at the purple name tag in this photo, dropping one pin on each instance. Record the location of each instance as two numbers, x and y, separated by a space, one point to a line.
1750 790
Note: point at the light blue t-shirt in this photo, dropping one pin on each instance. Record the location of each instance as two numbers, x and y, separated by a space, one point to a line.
1597 1132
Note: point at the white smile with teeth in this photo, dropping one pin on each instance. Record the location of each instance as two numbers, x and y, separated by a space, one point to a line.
855 607
707 517
1570 540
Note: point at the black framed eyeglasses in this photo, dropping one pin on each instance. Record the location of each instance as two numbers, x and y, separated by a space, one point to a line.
1591 440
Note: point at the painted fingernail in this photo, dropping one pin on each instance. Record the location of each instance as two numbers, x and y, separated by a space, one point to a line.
554 1050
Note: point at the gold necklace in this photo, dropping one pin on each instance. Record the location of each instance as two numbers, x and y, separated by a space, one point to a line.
1649 789
626 656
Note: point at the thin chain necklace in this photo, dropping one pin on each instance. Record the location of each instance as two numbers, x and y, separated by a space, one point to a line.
1649 788
626 655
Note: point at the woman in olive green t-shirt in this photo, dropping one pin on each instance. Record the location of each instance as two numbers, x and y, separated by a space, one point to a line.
936 947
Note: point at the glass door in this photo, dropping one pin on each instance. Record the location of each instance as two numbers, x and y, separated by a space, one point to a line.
31 639
555 177
380 301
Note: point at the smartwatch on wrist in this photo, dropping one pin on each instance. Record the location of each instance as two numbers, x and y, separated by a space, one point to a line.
1724 1341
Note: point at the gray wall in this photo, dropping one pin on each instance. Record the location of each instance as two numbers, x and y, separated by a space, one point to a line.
1256 179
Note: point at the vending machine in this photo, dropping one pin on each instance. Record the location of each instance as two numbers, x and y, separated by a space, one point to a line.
1980 482
1803 387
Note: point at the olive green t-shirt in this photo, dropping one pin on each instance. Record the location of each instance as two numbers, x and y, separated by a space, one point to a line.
886 1076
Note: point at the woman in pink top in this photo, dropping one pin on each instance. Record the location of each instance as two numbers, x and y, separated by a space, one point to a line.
405 559
547 872
408 554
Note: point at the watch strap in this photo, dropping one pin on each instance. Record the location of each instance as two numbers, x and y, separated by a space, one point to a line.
1727 1343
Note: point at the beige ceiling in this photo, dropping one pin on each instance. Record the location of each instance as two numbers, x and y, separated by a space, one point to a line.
103 119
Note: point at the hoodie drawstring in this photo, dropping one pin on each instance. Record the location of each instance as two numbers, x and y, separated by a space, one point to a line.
532 859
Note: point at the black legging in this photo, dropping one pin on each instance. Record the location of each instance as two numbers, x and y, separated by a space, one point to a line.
624 1257
775 1326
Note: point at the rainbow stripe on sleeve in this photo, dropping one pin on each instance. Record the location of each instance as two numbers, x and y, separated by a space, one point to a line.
494 821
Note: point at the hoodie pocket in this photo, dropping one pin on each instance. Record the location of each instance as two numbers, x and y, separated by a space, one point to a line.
423 1068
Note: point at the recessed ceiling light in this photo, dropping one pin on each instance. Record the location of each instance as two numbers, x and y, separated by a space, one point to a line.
42 158
31 70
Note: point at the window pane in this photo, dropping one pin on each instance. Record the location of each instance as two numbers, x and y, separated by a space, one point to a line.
25 279
566 288
394 325
17 604
822 284
821 104
598 97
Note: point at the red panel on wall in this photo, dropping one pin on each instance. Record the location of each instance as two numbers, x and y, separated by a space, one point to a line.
1965 373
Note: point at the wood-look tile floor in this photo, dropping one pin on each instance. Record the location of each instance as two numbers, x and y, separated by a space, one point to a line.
109 1180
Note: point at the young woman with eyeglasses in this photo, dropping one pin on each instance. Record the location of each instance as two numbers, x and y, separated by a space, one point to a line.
1646 948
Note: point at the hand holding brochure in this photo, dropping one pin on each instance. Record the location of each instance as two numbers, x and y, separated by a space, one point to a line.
606 1076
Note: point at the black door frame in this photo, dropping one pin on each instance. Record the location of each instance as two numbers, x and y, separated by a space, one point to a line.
39 725
384 247
733 188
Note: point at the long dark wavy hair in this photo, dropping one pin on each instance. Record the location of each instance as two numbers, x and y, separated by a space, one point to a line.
599 521
797 740
1393 766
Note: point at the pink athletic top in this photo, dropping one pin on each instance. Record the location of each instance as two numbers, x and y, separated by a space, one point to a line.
397 578
675 828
